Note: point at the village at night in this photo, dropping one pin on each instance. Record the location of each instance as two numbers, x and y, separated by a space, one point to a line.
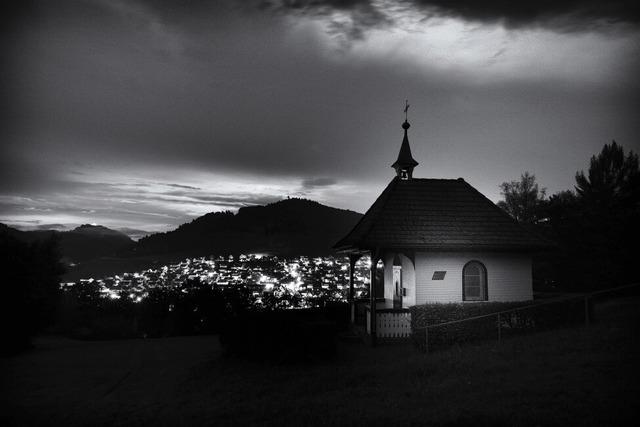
271 281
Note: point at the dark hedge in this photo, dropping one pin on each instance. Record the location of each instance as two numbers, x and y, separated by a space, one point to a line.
530 319
285 335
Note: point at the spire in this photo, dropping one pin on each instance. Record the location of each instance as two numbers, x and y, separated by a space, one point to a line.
405 163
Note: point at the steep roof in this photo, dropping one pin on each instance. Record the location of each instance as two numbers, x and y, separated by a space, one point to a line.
437 214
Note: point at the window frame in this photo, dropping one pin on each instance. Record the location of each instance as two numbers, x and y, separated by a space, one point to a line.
484 286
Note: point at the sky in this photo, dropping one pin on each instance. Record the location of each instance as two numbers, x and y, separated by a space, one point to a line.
142 115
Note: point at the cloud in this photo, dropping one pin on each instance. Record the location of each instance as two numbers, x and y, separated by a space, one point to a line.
134 233
187 187
318 182
561 15
58 227
565 15
351 22
135 204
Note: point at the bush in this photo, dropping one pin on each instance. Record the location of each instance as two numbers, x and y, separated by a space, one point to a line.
285 335
433 314
535 318
190 310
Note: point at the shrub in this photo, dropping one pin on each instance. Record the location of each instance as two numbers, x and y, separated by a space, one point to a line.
433 314
285 335
534 318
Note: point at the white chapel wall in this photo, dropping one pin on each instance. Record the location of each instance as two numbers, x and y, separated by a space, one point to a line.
508 276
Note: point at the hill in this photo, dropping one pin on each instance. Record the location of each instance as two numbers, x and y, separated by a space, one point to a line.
81 244
288 227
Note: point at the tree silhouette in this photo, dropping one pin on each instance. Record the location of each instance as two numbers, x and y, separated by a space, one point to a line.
30 288
597 227
609 204
613 179
522 199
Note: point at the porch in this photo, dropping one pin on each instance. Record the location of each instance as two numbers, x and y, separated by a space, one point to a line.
385 314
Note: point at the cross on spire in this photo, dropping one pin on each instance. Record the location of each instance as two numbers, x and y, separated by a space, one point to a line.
406 108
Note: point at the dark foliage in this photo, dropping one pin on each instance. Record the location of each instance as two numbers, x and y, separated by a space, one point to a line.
433 314
613 179
596 228
285 335
191 309
522 198
30 288
524 320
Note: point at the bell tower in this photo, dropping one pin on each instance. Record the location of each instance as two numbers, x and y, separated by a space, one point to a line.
405 163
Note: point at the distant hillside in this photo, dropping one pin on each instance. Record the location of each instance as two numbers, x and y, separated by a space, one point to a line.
80 244
288 227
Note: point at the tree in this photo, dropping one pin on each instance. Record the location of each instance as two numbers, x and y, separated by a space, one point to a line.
522 199
31 277
609 205
613 179
597 227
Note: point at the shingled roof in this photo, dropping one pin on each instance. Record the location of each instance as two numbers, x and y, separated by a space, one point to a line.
437 214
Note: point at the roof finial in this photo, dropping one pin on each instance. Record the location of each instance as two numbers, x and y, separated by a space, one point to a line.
406 108
406 124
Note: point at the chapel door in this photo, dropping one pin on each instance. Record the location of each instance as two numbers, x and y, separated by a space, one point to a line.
397 286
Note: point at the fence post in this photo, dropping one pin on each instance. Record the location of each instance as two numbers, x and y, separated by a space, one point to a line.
586 311
426 339
499 330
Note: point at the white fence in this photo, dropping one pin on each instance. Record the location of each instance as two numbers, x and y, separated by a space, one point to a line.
391 324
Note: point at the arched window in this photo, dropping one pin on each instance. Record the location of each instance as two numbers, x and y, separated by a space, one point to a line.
474 282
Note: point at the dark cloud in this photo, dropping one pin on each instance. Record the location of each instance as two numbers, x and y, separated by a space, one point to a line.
556 14
362 13
214 199
564 15
187 187
318 182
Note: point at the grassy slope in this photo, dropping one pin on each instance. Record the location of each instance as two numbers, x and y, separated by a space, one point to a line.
572 376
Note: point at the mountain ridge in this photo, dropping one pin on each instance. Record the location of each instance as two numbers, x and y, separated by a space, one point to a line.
83 243
288 227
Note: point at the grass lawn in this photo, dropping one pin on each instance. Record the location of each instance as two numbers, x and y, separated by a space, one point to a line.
585 376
